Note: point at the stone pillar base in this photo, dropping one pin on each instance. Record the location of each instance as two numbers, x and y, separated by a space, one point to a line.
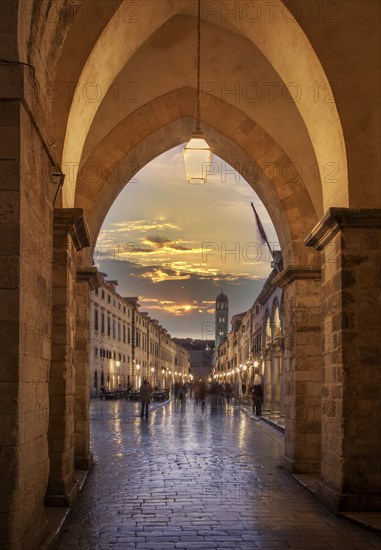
84 462
300 466
274 416
65 500
345 502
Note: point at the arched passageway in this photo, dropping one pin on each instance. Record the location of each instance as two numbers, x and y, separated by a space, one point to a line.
99 89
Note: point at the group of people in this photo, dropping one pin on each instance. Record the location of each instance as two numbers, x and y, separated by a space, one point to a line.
224 391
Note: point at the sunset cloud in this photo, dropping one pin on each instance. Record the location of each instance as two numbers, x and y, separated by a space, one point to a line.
143 225
172 307
160 275
164 242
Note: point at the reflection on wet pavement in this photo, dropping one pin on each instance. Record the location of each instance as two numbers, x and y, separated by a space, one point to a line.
195 477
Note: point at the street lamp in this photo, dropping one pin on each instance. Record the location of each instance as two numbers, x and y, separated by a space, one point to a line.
197 154
117 363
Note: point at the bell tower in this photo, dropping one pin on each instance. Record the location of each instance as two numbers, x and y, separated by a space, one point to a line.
222 318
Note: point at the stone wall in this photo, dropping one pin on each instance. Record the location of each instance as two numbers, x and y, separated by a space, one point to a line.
351 436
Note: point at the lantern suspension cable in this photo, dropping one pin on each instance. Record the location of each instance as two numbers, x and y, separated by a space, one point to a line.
197 154
198 64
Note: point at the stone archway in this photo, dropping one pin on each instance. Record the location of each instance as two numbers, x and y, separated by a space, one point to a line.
43 126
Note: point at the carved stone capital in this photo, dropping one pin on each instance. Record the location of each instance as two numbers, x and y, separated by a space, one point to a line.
89 275
338 219
297 272
72 221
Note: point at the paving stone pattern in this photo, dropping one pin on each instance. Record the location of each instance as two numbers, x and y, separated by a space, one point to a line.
193 477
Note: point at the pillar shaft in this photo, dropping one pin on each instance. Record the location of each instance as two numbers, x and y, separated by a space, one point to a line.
351 437
282 386
25 298
302 368
267 382
275 383
86 281
69 236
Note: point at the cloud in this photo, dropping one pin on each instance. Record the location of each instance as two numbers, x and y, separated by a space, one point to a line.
169 306
142 225
159 275
164 242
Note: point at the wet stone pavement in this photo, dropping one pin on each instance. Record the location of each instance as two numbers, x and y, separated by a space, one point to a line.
193 477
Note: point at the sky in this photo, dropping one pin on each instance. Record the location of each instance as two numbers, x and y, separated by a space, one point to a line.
175 245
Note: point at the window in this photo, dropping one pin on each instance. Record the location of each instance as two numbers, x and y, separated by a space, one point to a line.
102 323
96 293
124 309
119 332
108 325
128 335
103 294
96 319
124 334
114 329
96 352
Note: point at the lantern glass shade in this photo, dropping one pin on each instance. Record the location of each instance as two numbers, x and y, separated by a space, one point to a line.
197 156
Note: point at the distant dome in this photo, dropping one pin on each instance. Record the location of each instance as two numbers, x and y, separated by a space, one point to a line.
222 297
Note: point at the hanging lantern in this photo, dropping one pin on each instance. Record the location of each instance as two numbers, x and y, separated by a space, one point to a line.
197 154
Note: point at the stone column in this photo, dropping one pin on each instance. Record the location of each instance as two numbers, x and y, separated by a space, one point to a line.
87 280
350 241
275 382
302 367
70 234
267 382
282 382
25 300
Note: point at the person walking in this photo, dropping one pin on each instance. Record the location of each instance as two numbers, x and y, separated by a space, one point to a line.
228 392
145 398
257 395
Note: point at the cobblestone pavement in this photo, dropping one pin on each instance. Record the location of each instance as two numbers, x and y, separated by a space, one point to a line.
196 478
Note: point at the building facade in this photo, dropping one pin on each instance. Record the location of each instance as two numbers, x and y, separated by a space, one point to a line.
255 345
127 346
